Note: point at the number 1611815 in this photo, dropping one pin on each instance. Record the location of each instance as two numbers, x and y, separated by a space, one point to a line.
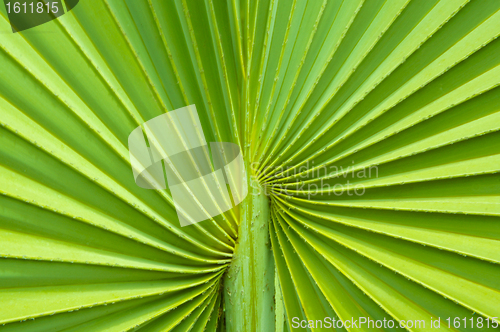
478 322
32 8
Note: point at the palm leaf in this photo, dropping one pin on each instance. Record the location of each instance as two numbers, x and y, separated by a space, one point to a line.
369 130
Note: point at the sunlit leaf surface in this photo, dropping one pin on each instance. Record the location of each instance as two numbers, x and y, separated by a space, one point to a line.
372 126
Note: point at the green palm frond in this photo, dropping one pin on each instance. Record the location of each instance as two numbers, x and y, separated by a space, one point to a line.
370 134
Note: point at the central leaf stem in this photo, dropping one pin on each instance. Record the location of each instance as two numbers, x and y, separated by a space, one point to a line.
249 285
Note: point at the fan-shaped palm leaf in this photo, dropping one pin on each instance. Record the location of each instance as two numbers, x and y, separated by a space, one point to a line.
370 132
